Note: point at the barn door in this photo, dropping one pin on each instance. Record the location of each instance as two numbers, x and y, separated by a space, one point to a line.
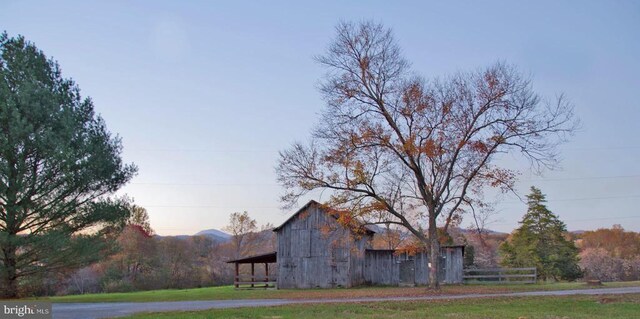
407 273
443 267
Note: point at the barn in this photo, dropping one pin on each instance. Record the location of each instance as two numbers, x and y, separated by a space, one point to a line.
314 250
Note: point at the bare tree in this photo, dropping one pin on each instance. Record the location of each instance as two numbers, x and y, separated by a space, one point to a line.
597 263
261 241
85 280
241 226
394 148
137 252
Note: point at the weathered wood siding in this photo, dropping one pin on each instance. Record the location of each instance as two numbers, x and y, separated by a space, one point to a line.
452 260
422 269
382 267
357 258
314 250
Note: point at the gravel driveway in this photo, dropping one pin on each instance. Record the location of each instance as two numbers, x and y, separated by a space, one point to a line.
120 309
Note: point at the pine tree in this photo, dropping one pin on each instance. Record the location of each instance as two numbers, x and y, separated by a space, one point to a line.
540 241
58 166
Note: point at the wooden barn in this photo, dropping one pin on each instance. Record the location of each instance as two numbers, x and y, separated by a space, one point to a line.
316 251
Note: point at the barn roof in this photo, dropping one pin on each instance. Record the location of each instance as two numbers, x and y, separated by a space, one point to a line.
304 208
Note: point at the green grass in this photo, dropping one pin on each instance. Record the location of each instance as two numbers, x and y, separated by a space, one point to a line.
209 293
228 292
570 307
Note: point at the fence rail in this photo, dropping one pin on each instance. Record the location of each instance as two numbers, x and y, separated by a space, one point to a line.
254 282
500 275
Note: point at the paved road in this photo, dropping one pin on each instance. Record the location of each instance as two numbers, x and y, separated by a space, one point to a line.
120 309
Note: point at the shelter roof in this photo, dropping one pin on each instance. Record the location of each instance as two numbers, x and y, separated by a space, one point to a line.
256 259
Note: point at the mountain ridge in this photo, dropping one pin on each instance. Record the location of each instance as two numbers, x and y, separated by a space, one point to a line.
212 233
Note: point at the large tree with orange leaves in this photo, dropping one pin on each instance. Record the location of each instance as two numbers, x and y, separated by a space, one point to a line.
396 149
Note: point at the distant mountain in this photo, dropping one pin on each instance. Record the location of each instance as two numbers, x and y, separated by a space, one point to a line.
214 234
217 235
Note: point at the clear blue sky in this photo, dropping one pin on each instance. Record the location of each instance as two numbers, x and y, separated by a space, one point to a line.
205 94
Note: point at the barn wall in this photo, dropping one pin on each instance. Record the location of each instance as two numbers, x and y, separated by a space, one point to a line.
382 267
357 257
315 251
422 269
453 265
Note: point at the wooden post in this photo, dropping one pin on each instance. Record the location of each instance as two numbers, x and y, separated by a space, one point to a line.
237 277
266 273
253 273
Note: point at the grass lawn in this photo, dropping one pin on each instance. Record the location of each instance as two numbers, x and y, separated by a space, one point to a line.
570 307
228 292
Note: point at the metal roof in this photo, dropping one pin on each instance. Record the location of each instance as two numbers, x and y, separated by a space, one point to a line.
307 205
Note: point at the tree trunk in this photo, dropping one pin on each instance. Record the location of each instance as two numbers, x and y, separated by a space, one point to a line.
9 238
9 275
434 253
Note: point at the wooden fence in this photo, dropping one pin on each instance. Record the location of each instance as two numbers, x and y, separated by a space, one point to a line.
501 275
250 282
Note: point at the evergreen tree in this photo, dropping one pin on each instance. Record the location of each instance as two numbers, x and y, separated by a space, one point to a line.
58 165
540 241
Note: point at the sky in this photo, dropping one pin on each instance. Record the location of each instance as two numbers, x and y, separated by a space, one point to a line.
204 94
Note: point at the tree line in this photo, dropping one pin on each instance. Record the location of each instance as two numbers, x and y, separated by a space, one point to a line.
140 260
